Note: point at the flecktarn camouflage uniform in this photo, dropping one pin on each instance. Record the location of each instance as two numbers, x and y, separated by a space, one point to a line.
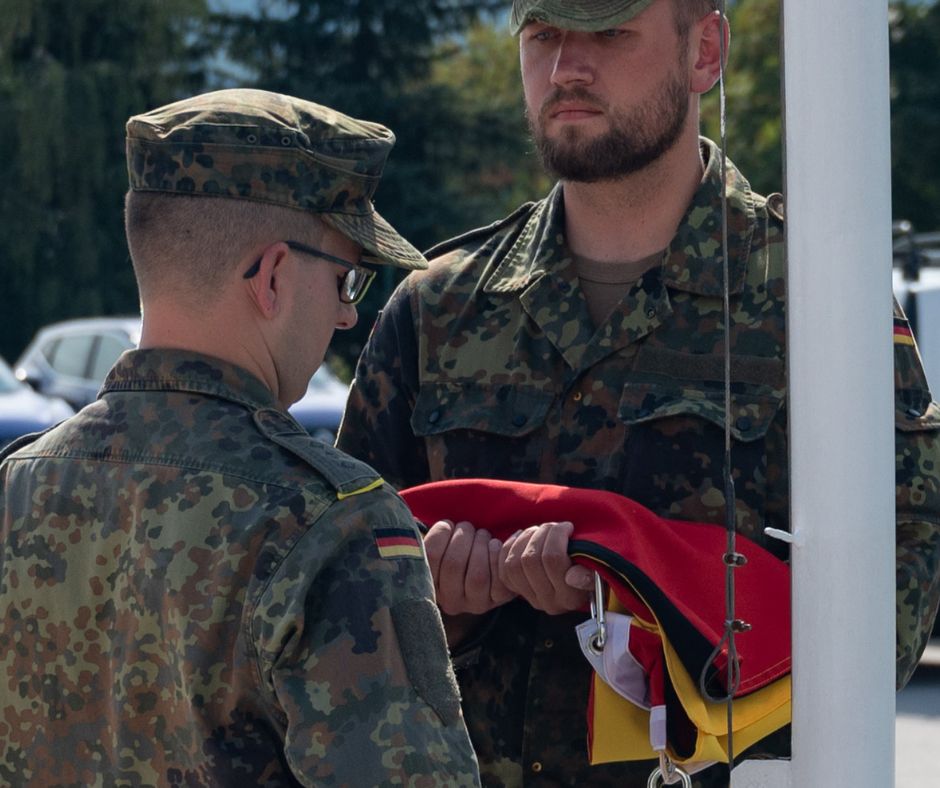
195 592
278 150
489 365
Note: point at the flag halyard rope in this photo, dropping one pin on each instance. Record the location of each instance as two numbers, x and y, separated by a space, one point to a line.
732 558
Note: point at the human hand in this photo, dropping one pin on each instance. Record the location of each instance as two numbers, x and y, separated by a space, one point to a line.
463 563
535 565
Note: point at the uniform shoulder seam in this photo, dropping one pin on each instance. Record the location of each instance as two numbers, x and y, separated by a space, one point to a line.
485 231
347 475
22 441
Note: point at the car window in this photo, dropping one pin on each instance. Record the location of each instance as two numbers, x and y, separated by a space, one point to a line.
108 351
49 349
71 357
8 381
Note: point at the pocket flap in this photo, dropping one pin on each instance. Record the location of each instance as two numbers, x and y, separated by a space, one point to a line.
752 410
503 410
915 412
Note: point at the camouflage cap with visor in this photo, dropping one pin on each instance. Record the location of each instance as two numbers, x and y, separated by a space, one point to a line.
587 16
256 145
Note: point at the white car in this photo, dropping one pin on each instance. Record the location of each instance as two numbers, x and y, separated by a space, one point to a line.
23 410
71 359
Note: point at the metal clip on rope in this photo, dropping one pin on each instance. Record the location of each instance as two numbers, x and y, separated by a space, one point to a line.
669 773
598 613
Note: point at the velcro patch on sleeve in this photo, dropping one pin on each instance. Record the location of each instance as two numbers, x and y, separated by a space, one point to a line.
398 543
424 652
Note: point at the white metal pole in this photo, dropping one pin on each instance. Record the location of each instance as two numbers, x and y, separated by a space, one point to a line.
838 204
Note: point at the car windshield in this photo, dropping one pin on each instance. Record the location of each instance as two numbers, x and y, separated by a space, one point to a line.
323 381
8 381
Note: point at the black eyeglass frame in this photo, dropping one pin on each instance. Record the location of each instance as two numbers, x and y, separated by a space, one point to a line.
348 293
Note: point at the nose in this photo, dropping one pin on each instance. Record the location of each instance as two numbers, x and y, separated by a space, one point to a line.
572 64
348 316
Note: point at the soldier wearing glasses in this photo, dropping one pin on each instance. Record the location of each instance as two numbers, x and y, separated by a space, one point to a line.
193 590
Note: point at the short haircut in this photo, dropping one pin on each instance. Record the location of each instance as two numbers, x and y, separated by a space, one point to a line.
187 246
688 12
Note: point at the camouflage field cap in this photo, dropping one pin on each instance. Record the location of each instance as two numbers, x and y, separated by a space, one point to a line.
587 16
255 145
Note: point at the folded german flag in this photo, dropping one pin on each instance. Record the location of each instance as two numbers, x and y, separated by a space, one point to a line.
670 577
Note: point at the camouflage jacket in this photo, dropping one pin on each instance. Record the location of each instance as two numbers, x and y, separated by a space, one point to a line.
489 365
195 592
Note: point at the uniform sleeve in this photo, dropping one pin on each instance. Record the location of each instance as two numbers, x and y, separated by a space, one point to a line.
917 477
376 425
351 652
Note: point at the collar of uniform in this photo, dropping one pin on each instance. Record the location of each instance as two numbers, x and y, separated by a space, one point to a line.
162 369
693 261
539 246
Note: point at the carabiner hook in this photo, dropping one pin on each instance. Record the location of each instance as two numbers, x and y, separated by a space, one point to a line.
599 614
673 771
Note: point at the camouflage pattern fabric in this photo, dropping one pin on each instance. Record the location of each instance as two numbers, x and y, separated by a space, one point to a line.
195 592
488 364
266 147
590 17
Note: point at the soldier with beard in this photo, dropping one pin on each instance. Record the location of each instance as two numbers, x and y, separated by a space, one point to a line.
580 341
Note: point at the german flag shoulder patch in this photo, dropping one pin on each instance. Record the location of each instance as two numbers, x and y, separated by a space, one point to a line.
902 332
398 543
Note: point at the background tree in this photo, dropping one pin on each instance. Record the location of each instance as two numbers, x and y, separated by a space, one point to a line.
754 107
383 60
443 74
70 75
752 89
493 166
915 114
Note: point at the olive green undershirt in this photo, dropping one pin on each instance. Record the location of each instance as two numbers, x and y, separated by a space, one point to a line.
604 284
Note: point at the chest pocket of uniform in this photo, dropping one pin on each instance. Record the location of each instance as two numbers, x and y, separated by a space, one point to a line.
473 430
673 458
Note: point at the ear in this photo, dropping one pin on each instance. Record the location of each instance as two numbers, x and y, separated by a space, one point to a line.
266 288
709 39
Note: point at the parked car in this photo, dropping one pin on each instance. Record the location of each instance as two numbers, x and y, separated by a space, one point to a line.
23 410
320 410
70 360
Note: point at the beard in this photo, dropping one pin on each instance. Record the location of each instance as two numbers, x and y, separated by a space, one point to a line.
634 140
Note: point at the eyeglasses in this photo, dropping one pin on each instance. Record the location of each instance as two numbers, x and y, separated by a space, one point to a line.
352 285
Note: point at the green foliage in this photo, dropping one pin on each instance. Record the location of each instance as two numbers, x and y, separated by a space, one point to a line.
754 105
371 59
443 74
915 114
397 63
70 75
493 167
752 90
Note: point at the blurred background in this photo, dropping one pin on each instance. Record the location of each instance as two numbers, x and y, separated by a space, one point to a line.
443 74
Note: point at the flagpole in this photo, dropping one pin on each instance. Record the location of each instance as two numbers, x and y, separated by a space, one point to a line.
841 406
838 225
